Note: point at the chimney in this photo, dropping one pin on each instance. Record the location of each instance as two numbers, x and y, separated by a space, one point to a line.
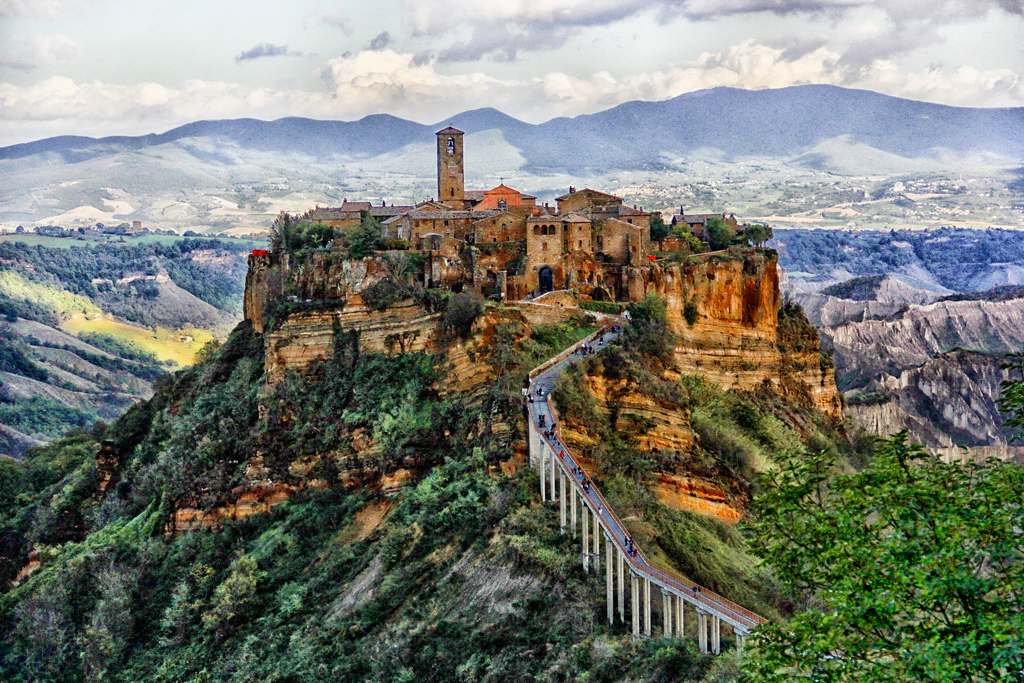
572 189
682 210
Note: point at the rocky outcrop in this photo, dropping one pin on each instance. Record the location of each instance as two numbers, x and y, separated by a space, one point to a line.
723 309
865 350
933 369
948 401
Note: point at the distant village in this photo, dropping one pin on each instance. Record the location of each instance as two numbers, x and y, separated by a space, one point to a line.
504 244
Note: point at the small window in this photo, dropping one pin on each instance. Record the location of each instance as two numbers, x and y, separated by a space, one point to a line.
452 191
581 244
451 145
502 204
544 246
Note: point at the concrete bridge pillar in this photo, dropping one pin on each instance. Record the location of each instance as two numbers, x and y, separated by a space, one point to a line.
573 494
702 631
597 541
586 537
680 615
634 603
543 469
533 444
740 642
666 613
622 578
647 607
561 499
716 635
609 580
554 466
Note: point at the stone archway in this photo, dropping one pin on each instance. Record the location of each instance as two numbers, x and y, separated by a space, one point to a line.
546 279
600 294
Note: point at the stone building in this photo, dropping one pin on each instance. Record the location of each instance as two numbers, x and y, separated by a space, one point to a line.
501 243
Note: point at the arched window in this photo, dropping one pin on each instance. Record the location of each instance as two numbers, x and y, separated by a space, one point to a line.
451 145
452 191
502 204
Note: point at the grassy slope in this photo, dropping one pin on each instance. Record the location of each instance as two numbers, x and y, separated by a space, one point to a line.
79 314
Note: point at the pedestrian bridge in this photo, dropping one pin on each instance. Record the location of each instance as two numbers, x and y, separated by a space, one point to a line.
583 511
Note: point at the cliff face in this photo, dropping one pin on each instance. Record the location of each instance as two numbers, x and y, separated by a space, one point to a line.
902 366
734 339
950 400
867 349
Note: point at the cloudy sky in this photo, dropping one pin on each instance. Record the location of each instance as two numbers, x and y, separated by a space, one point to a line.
99 67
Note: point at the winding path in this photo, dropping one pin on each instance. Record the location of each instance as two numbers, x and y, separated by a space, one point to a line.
563 480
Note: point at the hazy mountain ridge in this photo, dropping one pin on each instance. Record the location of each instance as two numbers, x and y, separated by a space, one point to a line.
779 122
812 154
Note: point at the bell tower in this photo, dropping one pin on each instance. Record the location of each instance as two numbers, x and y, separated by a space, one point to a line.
451 182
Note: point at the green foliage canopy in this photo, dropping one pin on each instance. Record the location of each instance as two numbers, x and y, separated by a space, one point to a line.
912 568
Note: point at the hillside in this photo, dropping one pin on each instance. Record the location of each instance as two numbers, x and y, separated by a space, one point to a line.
859 158
88 328
341 490
735 121
942 261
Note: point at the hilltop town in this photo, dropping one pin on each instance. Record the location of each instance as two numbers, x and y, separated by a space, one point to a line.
502 244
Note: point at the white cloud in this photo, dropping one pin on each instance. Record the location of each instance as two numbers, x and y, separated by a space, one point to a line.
29 8
399 83
38 51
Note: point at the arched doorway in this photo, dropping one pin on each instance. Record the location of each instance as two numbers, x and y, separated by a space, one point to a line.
546 279
600 294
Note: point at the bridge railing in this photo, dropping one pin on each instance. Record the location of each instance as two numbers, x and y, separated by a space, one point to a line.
706 599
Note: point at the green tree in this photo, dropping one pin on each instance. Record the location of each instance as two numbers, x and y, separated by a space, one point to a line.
234 598
463 310
911 569
648 330
719 233
757 234
366 239
659 230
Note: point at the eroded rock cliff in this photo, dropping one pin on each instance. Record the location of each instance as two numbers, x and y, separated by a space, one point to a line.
724 310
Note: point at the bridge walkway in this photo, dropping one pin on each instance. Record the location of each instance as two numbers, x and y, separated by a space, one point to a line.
565 481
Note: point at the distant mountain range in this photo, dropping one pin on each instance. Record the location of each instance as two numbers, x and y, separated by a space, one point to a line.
634 135
819 154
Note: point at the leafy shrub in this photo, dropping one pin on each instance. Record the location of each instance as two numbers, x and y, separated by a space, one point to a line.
462 311
690 312
648 331
365 239
610 307
719 233
383 294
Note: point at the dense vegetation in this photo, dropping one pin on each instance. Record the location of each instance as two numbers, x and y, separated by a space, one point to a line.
910 569
461 574
736 435
466 577
95 272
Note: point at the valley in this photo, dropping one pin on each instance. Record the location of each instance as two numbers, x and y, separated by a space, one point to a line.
921 325
89 327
